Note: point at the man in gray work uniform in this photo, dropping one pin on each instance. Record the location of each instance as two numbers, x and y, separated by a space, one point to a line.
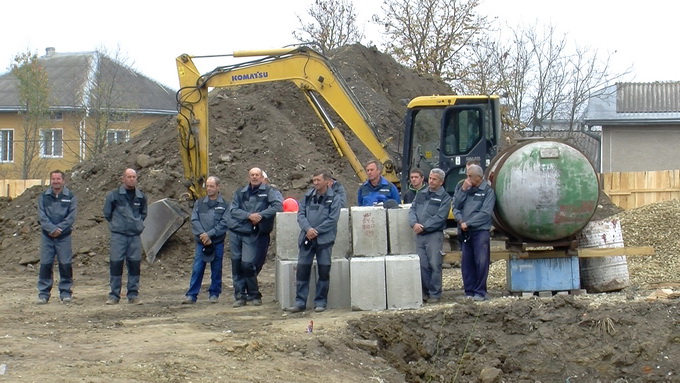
253 209
427 217
57 208
318 220
125 209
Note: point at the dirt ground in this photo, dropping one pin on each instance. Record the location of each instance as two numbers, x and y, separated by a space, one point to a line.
627 336
614 337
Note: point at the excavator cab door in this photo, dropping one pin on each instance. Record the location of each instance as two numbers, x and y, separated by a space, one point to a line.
463 138
447 137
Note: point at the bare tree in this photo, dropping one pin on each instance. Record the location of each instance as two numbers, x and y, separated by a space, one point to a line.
545 82
333 25
430 36
99 96
33 94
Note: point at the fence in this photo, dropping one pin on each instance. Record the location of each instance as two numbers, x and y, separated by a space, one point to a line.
631 190
13 188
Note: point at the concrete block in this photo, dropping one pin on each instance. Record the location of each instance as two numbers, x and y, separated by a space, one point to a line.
367 283
369 231
402 238
343 242
403 283
287 231
339 292
286 283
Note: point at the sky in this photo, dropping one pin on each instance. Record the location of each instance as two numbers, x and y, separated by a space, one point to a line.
150 34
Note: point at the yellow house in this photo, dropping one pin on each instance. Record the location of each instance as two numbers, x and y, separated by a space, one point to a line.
94 101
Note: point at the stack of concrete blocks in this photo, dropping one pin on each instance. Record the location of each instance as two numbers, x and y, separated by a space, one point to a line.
384 270
287 232
402 264
367 264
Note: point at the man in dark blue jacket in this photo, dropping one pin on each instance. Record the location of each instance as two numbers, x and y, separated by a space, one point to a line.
57 208
473 210
417 178
125 209
427 217
376 189
253 208
209 226
317 217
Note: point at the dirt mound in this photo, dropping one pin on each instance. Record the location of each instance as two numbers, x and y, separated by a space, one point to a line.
653 225
270 126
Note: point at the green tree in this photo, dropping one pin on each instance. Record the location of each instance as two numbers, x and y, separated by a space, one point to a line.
34 97
333 25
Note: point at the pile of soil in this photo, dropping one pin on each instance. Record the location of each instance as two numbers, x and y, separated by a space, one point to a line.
594 337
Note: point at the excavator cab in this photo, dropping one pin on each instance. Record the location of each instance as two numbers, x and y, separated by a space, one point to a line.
447 131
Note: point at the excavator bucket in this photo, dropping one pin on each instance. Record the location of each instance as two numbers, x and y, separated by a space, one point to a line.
163 219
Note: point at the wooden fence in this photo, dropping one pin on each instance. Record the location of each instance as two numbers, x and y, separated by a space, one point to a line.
13 188
631 190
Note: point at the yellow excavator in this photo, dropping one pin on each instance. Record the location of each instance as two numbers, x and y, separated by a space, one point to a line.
440 131
310 71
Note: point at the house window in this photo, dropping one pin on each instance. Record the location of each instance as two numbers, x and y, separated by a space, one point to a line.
51 144
57 116
6 146
117 136
119 117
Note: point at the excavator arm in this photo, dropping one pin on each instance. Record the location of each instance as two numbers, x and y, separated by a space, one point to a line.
310 71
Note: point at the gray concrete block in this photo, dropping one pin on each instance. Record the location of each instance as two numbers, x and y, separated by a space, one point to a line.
287 232
286 283
403 283
367 283
343 243
339 292
369 231
402 238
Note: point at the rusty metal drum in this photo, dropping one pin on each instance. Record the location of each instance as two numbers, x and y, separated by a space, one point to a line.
546 190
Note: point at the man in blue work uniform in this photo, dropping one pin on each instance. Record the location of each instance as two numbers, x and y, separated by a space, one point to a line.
473 210
253 208
317 217
209 226
376 189
427 217
57 208
125 209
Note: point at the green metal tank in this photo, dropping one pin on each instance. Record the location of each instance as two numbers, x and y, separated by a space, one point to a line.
546 190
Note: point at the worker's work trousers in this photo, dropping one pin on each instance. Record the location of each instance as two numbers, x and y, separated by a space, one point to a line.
198 271
304 270
243 271
125 249
59 248
263 240
429 250
475 261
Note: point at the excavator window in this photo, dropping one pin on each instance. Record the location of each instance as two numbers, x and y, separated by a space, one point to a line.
426 134
462 132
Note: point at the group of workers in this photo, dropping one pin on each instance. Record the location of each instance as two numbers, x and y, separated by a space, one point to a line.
249 219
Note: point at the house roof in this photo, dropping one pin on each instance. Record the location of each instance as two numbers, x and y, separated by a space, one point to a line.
71 77
635 104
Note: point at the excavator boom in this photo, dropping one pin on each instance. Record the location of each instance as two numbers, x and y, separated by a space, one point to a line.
310 71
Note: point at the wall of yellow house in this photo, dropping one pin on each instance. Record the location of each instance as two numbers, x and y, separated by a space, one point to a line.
73 149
